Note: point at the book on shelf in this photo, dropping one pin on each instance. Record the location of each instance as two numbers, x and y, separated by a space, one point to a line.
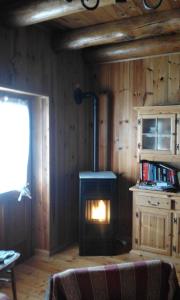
157 175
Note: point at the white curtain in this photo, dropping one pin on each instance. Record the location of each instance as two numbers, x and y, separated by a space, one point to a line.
14 144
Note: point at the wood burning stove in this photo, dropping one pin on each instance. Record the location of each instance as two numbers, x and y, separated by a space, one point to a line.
97 213
97 198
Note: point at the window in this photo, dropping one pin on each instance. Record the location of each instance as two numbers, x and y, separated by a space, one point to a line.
14 143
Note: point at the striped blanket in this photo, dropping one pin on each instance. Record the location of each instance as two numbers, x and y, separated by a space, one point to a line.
145 280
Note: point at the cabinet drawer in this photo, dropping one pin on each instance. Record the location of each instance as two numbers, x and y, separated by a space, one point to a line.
153 201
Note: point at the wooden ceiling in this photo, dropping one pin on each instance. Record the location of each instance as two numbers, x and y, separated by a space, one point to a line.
113 22
113 12
108 11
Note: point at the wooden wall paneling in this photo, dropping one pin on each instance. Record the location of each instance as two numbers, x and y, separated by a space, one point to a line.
40 172
45 171
70 173
173 79
36 171
100 81
28 63
160 85
140 96
57 214
104 142
125 163
120 122
85 134
73 147
74 135
149 82
136 83
67 157
131 125
122 112
116 122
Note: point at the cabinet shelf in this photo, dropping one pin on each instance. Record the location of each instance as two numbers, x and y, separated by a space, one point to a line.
166 194
160 157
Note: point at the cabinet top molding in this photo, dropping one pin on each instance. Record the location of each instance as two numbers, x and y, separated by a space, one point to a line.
165 194
161 109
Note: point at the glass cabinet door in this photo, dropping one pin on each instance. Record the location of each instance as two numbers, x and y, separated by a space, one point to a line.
149 134
158 134
164 134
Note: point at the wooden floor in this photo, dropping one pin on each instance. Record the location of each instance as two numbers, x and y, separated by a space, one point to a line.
32 275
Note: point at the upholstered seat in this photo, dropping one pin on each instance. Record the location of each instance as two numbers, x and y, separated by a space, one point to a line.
127 281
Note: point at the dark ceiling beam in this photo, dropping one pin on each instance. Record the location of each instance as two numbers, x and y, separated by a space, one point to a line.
133 50
124 30
39 11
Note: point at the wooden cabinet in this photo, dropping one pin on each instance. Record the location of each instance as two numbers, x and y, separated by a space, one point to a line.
158 132
156 214
156 222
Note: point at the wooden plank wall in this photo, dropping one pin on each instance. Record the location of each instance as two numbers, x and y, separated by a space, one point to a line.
74 150
28 63
39 175
153 81
104 122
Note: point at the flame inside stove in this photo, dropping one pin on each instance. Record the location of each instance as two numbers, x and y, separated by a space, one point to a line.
99 211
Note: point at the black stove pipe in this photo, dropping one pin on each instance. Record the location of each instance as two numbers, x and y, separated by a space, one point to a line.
79 96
